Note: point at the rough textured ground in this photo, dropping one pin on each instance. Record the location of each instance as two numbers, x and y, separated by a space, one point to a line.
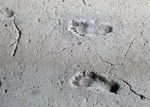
38 56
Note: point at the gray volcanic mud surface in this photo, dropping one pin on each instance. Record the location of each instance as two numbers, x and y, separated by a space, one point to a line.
44 43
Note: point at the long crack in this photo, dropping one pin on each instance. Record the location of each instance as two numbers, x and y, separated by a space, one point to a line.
112 65
84 2
141 96
126 53
130 45
18 39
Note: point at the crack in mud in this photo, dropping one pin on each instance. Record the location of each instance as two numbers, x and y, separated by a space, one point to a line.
111 64
142 97
18 39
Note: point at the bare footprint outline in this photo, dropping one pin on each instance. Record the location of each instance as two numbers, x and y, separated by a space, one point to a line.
93 82
6 12
88 28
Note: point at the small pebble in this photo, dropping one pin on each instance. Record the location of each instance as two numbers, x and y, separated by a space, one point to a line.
28 41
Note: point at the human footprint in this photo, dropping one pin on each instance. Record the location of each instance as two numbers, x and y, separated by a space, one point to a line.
6 12
88 28
93 82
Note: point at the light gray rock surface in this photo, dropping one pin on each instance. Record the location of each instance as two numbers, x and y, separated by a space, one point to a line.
38 56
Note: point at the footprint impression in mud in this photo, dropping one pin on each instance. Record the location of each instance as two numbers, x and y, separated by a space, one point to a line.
6 12
88 28
93 82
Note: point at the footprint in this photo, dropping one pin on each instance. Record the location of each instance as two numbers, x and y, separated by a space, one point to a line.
104 29
77 28
93 82
88 28
6 12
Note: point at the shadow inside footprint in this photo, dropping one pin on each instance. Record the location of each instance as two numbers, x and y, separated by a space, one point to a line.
106 29
114 88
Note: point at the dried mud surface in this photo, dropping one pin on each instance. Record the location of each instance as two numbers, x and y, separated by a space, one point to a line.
38 56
